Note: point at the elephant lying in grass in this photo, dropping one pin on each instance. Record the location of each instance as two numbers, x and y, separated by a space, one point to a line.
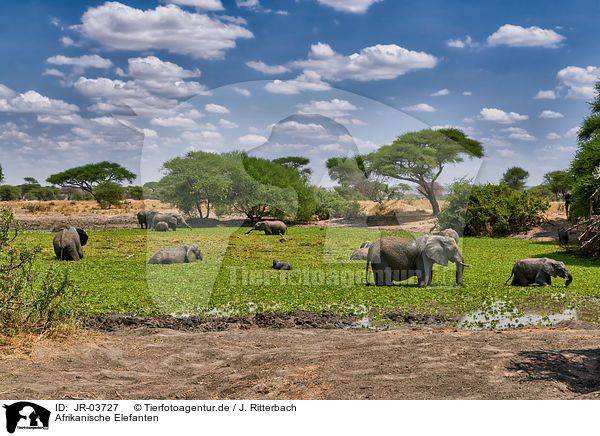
362 252
269 227
538 270
185 253
396 259
161 227
281 264
68 242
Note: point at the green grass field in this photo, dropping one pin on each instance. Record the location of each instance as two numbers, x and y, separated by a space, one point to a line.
236 276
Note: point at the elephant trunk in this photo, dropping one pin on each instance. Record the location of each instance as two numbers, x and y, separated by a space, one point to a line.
569 279
460 266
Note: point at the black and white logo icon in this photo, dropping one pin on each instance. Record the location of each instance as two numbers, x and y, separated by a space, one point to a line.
26 415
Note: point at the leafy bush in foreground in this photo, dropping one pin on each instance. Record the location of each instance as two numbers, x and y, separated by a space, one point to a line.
30 302
490 210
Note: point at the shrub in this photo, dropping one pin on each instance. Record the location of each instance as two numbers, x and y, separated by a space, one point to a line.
135 192
9 193
108 194
333 205
30 301
491 210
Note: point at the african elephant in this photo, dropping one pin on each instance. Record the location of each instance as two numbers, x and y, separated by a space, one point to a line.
281 264
538 270
162 226
185 253
68 242
451 233
270 227
393 258
145 217
173 219
362 251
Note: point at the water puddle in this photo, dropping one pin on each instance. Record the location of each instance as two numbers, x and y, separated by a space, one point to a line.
502 315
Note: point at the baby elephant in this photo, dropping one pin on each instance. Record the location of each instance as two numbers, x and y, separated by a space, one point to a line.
538 270
361 253
183 254
281 264
451 233
161 227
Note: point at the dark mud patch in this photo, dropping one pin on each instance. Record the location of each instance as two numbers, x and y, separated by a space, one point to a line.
419 318
276 320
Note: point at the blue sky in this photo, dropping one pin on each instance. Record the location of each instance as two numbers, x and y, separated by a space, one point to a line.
138 82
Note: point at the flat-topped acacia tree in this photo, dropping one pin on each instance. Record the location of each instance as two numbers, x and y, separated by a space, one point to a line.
420 157
88 177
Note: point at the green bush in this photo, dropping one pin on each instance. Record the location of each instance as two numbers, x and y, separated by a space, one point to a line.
491 210
42 193
30 302
135 192
333 205
109 194
9 193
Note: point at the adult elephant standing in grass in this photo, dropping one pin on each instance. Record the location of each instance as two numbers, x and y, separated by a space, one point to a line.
68 242
270 227
145 217
172 219
393 258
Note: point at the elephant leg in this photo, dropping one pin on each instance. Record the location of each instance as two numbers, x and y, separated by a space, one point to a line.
519 279
426 267
542 278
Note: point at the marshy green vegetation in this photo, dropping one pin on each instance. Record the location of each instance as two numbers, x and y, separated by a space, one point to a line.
235 276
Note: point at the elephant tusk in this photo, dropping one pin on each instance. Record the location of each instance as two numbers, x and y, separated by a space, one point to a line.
465 264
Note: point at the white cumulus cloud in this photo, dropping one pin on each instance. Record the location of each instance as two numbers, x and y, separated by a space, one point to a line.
354 6
378 62
307 81
85 61
216 108
520 134
517 36
421 107
499 116
251 140
34 103
329 108
440 92
551 114
580 81
549 94
209 5
120 27
461 43
267 69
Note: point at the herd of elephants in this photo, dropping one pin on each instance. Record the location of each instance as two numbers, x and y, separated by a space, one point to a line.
392 258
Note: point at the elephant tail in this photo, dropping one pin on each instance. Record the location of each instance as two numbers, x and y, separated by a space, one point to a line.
367 273
511 275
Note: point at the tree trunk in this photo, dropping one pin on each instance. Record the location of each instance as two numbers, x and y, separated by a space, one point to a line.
199 209
207 209
429 191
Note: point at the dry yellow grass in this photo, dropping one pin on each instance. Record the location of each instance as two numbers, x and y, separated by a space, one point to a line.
68 207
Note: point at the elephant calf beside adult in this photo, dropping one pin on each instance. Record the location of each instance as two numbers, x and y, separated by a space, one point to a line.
538 270
274 227
185 253
396 259
172 219
145 217
68 243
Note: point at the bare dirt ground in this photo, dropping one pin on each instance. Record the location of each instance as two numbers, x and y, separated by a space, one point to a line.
291 363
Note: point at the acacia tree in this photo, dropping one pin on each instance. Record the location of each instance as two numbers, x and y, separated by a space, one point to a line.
420 157
355 177
88 177
559 182
515 178
296 162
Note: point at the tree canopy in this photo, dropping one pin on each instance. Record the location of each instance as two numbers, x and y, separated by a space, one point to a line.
356 180
420 157
515 178
585 167
87 177
295 162
559 182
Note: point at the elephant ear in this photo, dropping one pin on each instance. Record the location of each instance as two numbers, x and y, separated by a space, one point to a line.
548 267
435 250
189 254
83 236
